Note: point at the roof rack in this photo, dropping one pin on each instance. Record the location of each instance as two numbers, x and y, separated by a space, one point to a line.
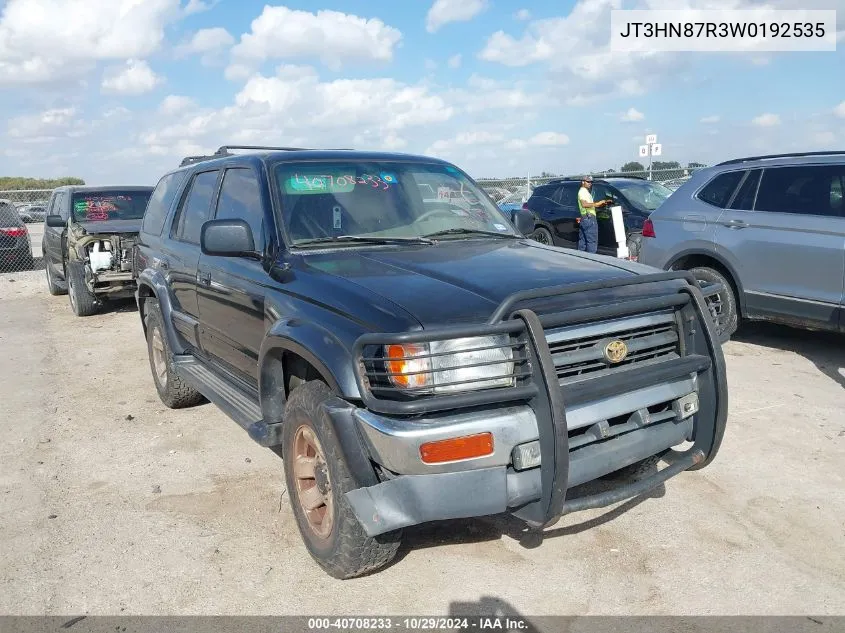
736 161
223 151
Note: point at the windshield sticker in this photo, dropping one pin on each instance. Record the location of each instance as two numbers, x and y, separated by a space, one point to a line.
444 193
500 227
388 178
96 209
335 183
337 214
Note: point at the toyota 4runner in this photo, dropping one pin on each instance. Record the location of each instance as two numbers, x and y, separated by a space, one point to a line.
414 359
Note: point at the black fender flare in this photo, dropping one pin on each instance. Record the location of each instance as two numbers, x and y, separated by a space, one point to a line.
151 283
735 278
319 347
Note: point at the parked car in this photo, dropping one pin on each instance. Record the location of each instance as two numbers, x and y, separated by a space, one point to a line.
769 229
15 245
31 213
413 363
89 240
556 215
497 193
514 201
674 183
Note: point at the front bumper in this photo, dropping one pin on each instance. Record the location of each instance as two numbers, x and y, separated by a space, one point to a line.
577 443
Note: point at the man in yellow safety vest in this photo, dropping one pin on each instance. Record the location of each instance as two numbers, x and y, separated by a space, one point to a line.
588 227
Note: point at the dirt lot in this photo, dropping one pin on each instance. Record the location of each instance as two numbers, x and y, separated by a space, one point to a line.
112 504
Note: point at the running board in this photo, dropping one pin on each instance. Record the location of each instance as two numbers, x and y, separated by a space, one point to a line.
232 400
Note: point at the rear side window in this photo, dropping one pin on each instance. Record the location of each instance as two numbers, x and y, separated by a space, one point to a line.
810 190
8 215
744 199
196 207
567 195
240 199
160 202
719 190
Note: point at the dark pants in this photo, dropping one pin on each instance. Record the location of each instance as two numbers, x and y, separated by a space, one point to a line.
588 234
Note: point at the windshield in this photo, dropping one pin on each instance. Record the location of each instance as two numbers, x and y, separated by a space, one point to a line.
99 206
326 200
645 195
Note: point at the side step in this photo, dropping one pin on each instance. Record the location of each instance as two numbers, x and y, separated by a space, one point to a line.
231 399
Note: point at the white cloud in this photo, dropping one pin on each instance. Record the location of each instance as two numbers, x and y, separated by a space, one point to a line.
708 120
206 41
42 40
523 15
543 139
333 37
175 104
50 124
840 110
197 6
134 78
766 120
455 61
443 12
632 115
466 139
483 94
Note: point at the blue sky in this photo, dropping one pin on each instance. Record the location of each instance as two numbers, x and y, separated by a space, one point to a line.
114 91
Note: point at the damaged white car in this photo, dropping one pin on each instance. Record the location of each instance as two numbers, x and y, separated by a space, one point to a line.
89 243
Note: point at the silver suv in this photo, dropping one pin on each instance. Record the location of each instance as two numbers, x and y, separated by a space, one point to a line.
770 229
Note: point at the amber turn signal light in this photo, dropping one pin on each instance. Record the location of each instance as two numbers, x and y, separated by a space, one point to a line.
457 448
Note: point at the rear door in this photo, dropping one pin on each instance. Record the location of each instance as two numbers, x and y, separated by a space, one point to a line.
567 215
231 289
181 253
785 231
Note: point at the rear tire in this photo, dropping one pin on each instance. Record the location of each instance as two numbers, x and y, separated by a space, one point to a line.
83 302
543 236
172 390
52 286
317 480
723 305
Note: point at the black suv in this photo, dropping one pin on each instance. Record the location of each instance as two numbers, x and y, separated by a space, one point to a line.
556 215
415 359
89 242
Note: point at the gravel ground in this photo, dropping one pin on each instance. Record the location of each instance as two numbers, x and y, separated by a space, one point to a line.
112 504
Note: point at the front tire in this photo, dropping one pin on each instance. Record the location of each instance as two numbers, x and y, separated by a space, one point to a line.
723 305
317 480
83 302
172 390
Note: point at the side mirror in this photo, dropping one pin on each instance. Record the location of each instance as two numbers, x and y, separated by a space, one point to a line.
55 221
228 238
523 220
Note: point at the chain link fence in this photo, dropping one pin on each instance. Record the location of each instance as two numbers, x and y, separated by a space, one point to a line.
515 191
22 214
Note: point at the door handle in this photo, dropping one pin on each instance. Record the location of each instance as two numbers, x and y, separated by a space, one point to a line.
736 224
204 278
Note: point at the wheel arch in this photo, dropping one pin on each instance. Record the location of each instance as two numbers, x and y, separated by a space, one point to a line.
685 260
152 285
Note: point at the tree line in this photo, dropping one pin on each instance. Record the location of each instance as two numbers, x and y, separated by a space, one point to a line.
12 183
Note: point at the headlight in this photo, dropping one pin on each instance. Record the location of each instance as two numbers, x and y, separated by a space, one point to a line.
455 365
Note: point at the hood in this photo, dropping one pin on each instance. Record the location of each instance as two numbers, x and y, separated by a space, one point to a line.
460 281
111 226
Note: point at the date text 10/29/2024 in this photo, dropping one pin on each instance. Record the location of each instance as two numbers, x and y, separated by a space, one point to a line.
479 623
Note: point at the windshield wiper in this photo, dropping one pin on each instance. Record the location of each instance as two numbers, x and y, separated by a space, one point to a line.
364 239
465 231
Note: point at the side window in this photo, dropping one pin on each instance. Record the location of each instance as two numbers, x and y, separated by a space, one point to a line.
196 206
837 190
719 190
744 200
51 206
240 199
160 202
567 194
61 208
801 190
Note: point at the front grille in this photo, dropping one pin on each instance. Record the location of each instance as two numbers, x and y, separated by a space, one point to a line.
578 351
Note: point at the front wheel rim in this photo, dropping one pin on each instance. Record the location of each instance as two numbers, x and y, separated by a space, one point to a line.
159 357
541 237
312 481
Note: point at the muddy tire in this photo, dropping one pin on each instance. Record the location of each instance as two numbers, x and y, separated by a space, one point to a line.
172 390
543 236
83 302
722 305
317 479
